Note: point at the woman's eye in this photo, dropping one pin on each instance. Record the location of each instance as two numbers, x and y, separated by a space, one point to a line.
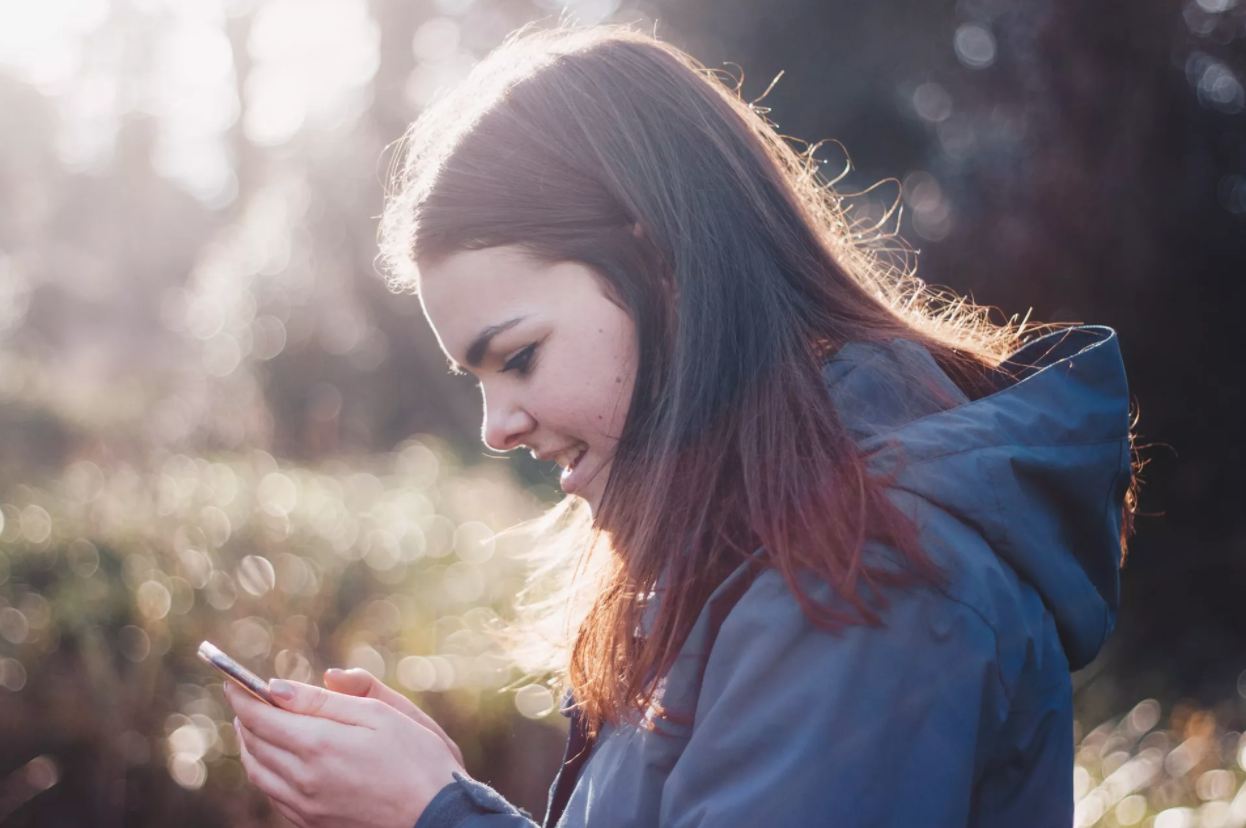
521 361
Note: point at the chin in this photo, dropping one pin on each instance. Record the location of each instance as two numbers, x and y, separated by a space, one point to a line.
592 490
586 496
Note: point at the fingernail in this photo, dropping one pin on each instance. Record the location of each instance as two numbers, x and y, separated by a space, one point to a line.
281 689
237 728
334 671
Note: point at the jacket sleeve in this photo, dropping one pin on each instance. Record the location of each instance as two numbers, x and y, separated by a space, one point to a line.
467 803
875 726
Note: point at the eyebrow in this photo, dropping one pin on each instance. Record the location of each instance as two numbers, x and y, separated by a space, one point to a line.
476 351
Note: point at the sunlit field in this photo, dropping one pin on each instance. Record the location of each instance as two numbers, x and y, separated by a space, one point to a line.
110 577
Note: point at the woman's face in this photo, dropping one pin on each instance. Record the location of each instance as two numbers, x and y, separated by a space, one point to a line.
556 359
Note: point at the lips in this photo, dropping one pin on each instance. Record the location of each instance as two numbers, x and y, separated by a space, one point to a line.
571 476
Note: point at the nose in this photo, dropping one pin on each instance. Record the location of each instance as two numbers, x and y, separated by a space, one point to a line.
506 423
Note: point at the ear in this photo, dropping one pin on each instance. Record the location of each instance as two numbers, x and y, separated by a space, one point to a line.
672 289
668 282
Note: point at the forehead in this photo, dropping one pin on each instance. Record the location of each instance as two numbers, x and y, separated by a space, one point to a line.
477 279
475 275
472 289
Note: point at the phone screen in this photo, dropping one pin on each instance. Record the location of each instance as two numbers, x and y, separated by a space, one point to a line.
241 676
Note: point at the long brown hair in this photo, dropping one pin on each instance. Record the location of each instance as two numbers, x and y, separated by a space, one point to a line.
743 272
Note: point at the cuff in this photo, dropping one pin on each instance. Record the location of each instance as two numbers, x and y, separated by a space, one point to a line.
462 799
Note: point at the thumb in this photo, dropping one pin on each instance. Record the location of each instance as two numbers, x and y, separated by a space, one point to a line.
359 682
310 700
350 682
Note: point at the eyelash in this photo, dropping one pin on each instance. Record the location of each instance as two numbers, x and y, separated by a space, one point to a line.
521 361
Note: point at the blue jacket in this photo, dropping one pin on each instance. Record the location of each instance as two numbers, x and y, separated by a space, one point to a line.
957 712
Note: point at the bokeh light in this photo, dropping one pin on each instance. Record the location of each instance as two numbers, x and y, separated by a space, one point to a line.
975 45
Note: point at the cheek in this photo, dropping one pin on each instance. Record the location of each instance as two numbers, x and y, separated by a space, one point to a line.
588 383
583 408
592 405
612 395
616 376
619 394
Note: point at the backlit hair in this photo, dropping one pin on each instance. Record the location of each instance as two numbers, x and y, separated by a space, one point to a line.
749 273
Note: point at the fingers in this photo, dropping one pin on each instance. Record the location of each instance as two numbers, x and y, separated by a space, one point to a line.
295 733
309 700
289 766
292 816
264 778
358 682
291 731
361 683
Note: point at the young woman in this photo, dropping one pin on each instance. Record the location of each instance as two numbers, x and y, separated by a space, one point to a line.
847 537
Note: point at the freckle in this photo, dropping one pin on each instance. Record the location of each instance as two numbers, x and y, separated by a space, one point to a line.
618 379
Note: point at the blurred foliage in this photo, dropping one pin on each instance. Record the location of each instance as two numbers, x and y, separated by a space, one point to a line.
207 402
110 578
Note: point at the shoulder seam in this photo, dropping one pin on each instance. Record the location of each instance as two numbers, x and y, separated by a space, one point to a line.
977 613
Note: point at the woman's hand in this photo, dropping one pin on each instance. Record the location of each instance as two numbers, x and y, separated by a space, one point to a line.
359 682
329 759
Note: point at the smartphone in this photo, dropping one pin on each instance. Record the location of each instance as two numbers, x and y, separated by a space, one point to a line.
241 676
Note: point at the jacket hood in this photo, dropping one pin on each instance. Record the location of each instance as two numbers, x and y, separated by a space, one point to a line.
1039 467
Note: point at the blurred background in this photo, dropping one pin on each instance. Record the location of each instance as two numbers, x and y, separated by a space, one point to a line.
216 422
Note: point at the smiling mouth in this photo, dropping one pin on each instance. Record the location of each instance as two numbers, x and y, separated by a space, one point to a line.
575 461
571 474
